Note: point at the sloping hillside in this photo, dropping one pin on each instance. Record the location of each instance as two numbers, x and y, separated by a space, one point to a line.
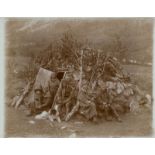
35 34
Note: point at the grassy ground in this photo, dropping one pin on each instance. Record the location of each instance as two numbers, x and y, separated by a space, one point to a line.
133 125
142 76
18 125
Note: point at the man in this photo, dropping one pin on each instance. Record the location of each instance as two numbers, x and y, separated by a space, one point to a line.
50 91
106 94
34 107
43 97
69 93
88 107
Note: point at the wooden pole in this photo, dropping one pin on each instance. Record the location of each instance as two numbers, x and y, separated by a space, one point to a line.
57 93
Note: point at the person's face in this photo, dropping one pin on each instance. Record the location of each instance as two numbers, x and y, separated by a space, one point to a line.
38 92
53 76
65 82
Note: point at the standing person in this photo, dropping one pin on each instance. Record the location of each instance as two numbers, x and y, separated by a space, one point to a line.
68 94
70 101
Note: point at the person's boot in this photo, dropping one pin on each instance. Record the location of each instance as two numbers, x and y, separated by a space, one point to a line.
118 119
29 113
107 116
115 114
95 119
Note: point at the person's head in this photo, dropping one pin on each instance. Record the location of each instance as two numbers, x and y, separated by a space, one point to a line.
38 91
20 91
69 75
53 112
53 75
66 82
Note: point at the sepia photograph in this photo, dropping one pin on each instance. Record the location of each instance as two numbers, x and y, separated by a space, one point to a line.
78 77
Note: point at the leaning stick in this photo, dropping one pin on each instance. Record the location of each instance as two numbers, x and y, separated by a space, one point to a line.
57 93
26 91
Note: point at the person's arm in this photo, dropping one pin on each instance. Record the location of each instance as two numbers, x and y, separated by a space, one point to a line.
67 100
53 88
47 102
70 96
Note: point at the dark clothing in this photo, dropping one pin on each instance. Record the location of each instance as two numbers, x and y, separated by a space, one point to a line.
51 88
35 109
110 69
69 95
43 101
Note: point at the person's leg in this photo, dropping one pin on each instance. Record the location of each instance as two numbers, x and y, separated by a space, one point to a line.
73 111
47 102
115 113
31 109
108 117
93 113
126 107
123 103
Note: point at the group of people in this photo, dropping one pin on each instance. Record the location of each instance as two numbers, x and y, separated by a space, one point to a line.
101 91
95 87
94 98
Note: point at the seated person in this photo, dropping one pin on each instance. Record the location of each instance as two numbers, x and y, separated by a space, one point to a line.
43 97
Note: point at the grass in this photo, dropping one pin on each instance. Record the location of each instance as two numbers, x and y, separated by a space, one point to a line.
142 76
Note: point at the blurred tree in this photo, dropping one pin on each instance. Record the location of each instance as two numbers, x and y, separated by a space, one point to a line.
70 47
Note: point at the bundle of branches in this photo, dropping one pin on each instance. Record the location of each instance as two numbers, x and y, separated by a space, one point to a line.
62 54
29 72
103 77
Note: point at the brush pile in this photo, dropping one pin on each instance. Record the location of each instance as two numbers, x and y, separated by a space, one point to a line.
91 84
